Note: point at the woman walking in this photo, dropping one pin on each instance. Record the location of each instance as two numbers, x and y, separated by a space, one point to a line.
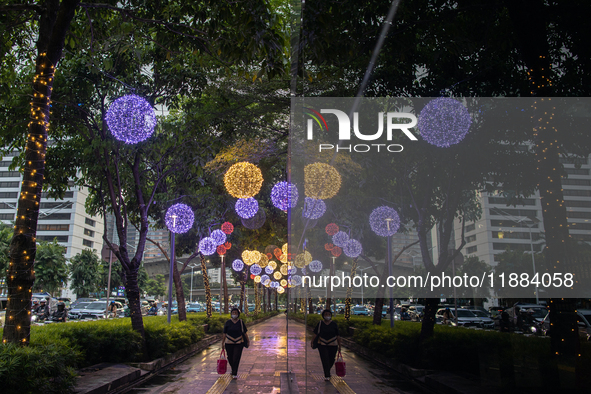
328 341
234 340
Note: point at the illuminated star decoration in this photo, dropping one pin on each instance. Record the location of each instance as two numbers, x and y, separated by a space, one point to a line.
352 248
384 221
331 229
255 269
207 246
227 228
315 266
237 265
269 270
284 195
340 238
218 236
243 180
179 218
246 208
131 119
313 208
444 122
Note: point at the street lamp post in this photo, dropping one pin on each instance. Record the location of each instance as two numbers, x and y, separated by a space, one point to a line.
388 220
191 295
172 237
362 269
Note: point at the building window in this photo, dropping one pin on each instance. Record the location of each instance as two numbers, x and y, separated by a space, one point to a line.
583 193
89 222
59 204
530 213
577 204
50 238
6 216
471 238
5 163
9 184
9 195
576 171
88 243
56 216
471 249
511 223
66 195
510 235
53 227
520 247
88 232
573 160
471 227
576 182
511 201
579 226
578 215
9 174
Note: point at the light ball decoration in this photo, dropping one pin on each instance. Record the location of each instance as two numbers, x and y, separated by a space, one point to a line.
284 195
265 280
131 119
237 265
291 269
283 258
315 266
280 290
274 284
283 283
296 280
257 279
303 259
278 253
227 228
218 236
352 248
221 249
255 269
340 238
336 251
304 272
313 208
264 261
284 248
246 208
384 221
273 264
283 269
243 180
277 275
179 218
251 257
444 122
256 221
227 245
269 270
207 246
321 181
328 247
331 229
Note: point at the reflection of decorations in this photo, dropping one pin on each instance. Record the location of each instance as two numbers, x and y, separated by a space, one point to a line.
321 181
291 269
283 269
444 122
255 269
313 208
336 251
208 308
269 270
131 119
277 275
352 248
179 218
237 265
331 229
384 221
227 227
207 246
340 238
218 236
296 280
315 266
328 247
221 249
265 280
243 180
246 207
303 259
256 221
304 270
284 195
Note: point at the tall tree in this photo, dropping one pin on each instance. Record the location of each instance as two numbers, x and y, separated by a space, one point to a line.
51 270
85 273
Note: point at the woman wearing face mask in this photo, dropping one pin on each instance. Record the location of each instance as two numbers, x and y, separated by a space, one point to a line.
234 340
329 341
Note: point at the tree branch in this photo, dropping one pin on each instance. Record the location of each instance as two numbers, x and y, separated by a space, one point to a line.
20 7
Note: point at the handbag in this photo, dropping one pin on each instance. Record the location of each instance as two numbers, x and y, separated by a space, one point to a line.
222 363
315 340
340 366
244 338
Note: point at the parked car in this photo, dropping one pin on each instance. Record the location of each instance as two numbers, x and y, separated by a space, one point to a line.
193 308
96 310
360 310
537 311
74 313
466 318
83 299
484 317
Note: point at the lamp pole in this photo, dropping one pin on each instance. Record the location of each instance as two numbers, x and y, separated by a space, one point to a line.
362 269
191 295
172 237
388 220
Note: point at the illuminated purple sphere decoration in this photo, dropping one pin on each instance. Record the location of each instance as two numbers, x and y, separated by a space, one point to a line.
379 218
255 269
304 271
292 270
237 265
352 248
218 236
274 284
315 266
340 238
313 208
284 195
444 122
265 280
269 270
207 246
296 280
246 207
179 218
131 119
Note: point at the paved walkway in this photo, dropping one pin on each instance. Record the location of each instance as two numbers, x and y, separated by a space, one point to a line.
276 346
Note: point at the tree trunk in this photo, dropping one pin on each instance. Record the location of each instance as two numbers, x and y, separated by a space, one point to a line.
206 286
132 291
53 26
225 286
377 312
276 305
180 293
243 305
428 322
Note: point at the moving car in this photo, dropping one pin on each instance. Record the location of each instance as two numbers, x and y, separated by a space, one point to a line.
360 310
194 308
485 319
74 313
466 318
97 310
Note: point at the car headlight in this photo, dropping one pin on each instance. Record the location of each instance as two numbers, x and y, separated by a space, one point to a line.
533 330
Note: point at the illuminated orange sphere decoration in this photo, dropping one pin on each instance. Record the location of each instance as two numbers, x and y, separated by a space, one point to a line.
243 180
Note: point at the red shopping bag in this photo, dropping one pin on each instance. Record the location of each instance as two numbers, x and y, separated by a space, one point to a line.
222 363
340 366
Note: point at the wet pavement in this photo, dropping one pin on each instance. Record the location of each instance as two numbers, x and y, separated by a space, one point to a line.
277 346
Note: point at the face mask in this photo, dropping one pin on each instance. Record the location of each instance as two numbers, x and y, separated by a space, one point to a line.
234 316
327 318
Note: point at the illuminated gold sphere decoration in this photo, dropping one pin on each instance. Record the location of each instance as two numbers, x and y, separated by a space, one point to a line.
303 259
264 261
277 275
280 290
257 279
272 264
283 258
251 257
321 181
283 269
283 283
243 180
284 249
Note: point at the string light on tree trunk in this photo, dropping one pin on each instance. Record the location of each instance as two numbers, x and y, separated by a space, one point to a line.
131 119
444 122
